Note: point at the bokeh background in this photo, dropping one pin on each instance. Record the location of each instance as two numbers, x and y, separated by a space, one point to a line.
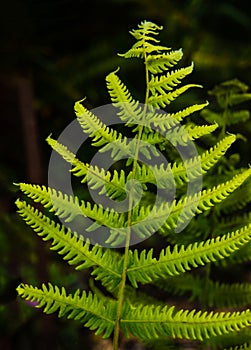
54 52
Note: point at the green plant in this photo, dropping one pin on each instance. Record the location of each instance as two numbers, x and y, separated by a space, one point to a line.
229 95
124 307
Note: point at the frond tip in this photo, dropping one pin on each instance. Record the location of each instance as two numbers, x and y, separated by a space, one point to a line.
146 40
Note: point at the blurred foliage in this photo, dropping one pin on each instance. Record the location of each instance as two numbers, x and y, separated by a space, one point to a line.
66 48
230 109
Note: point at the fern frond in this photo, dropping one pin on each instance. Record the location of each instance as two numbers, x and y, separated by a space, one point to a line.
96 129
167 82
68 208
145 222
242 256
228 295
183 210
197 131
94 313
99 179
180 115
180 170
166 121
151 199
220 192
140 48
159 63
64 206
220 295
176 136
206 160
149 322
130 111
239 199
211 156
106 264
120 149
146 269
144 29
179 135
146 43
234 117
162 100
135 51
103 135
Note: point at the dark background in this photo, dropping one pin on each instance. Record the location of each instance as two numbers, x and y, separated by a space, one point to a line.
54 53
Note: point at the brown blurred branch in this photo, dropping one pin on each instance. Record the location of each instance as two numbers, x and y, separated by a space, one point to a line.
34 174
25 94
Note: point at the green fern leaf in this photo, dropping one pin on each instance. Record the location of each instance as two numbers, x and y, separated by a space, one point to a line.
197 131
64 206
144 38
220 295
207 160
107 183
220 192
145 28
228 295
142 47
183 134
234 117
130 111
94 313
167 82
106 264
149 322
162 100
180 115
93 126
180 170
179 212
160 63
68 208
166 121
202 201
103 135
178 135
239 199
146 269
243 256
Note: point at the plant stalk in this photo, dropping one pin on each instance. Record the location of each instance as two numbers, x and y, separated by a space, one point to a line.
128 235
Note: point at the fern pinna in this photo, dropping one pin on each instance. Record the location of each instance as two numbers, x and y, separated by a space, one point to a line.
190 256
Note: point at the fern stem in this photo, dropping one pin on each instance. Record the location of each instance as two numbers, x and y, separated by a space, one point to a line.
121 292
128 235
147 81
126 251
